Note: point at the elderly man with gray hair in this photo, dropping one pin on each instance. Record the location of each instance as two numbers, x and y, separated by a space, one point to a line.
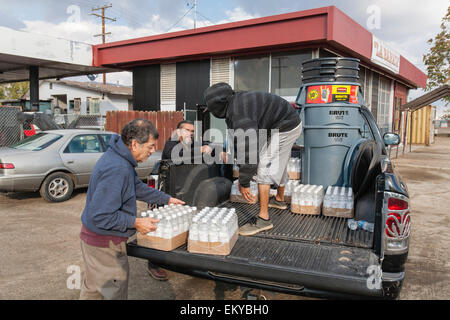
109 217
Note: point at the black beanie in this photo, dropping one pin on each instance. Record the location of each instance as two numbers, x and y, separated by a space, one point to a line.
216 98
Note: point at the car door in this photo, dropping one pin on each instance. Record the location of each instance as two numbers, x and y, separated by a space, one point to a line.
80 156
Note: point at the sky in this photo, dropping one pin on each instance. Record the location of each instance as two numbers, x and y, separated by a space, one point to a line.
405 25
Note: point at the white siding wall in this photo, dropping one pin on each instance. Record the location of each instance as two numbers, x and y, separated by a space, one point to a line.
168 87
109 103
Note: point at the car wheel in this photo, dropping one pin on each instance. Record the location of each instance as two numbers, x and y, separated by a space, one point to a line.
57 187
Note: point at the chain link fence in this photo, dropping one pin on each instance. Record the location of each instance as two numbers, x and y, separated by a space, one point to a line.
16 125
11 130
73 121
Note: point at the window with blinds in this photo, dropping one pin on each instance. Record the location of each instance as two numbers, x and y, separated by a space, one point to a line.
168 87
220 71
384 105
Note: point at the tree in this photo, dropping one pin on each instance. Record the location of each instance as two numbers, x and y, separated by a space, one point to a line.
446 115
437 59
12 91
2 92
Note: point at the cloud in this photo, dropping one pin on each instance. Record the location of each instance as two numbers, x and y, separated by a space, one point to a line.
85 29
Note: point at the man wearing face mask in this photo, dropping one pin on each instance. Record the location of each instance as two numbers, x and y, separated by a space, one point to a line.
109 216
254 113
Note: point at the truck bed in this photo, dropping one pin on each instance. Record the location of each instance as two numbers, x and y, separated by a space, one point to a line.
304 228
306 255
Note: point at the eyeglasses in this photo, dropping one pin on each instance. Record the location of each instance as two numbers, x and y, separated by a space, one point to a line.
190 131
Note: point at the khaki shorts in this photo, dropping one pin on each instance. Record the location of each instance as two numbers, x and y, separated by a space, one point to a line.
274 157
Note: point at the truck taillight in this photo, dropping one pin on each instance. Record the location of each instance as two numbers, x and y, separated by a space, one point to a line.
6 166
152 181
397 204
397 223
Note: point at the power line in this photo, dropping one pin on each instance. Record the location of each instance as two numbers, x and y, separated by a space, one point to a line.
203 16
189 10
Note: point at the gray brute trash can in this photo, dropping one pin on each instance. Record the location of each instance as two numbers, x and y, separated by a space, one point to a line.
332 121
325 150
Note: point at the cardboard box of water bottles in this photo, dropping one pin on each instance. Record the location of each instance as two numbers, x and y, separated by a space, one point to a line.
209 231
213 231
311 200
172 229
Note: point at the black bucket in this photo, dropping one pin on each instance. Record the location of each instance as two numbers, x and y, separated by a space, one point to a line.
331 70
337 71
331 62
330 78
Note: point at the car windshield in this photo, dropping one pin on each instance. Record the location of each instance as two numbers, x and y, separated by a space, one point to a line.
37 142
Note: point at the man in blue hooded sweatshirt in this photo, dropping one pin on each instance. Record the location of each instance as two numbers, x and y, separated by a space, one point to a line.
109 217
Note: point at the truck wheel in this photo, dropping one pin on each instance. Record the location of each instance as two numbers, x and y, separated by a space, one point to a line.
57 187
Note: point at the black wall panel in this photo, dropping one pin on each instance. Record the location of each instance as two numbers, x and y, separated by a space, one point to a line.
192 80
147 88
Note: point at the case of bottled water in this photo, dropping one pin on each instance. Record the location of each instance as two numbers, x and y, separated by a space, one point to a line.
338 202
289 189
171 230
213 231
236 196
293 168
307 199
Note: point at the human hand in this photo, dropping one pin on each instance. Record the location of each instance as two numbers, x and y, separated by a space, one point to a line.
224 157
145 225
247 194
175 201
206 149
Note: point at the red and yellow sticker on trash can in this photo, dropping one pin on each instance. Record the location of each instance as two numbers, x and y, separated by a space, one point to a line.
332 93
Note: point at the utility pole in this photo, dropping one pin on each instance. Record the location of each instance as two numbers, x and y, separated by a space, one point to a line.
104 33
195 14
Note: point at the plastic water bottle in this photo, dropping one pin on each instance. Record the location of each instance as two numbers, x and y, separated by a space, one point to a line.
365 225
352 224
158 232
180 222
213 234
193 230
186 220
342 199
223 232
203 230
349 204
327 199
167 228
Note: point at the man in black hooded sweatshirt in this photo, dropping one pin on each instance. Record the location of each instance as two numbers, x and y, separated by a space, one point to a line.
254 111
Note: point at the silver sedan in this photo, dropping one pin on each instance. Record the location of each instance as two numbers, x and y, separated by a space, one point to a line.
55 162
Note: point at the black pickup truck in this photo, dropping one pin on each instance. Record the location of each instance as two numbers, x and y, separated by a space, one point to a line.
314 256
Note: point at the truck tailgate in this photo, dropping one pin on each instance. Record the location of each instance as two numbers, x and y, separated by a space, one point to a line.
312 252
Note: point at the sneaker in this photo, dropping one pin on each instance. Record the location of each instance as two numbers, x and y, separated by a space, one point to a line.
274 203
254 226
